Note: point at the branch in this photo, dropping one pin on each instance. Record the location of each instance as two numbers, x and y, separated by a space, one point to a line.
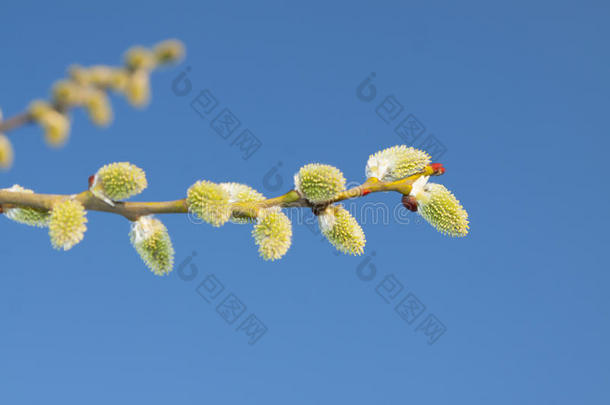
317 187
134 210
17 121
89 88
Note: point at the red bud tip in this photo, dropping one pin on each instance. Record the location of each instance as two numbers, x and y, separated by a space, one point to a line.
365 192
437 168
409 202
91 181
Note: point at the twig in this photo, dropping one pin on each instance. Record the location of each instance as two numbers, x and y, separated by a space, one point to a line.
134 210
15 122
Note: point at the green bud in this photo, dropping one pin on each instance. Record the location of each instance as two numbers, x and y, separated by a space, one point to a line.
152 242
118 181
396 163
55 124
210 202
68 93
57 128
139 57
137 88
244 194
38 108
98 107
319 183
67 224
342 230
100 76
273 234
168 51
118 80
26 215
79 74
441 209
6 152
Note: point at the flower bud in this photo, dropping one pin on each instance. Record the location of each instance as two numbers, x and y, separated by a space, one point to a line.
273 234
342 230
57 128
118 181
243 194
319 183
168 51
396 163
437 169
100 76
118 79
55 124
38 108
409 202
98 107
151 240
68 93
79 74
441 209
67 224
26 215
6 152
139 57
210 202
137 88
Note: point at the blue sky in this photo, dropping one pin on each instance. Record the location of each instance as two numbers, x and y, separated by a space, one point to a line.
515 97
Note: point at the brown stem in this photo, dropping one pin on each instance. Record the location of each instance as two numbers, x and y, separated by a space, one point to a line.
134 210
15 122
130 210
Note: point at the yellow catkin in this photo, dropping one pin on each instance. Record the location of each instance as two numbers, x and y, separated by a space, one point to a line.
26 215
273 234
396 163
152 242
441 209
67 224
138 88
55 124
138 57
342 230
168 51
319 183
243 194
6 152
118 181
210 202
98 107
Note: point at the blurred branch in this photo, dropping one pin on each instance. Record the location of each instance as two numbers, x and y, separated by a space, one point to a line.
15 122
89 88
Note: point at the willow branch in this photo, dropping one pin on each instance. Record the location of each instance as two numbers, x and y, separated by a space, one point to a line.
134 210
24 118
14 122
136 59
